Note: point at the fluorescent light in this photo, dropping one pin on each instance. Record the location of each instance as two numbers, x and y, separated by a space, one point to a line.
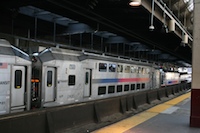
135 3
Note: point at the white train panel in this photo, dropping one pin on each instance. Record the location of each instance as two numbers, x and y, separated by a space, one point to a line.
15 71
4 88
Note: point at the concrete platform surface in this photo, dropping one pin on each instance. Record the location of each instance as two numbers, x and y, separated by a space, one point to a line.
170 117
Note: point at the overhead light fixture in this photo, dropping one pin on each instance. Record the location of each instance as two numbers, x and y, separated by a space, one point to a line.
172 25
151 27
135 2
185 38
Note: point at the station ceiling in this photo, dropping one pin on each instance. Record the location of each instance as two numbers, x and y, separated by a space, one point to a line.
124 29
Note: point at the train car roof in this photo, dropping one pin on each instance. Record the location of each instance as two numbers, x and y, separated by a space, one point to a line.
113 59
58 54
7 49
71 55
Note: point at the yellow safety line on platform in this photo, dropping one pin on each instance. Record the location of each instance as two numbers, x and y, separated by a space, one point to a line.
135 120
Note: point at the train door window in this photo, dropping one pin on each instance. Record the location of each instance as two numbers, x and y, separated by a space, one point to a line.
138 86
72 80
101 90
18 79
86 78
119 68
126 87
119 88
111 89
132 86
127 69
49 78
112 67
143 85
102 67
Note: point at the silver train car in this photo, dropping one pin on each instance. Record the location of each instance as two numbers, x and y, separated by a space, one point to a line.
169 78
61 76
56 76
15 79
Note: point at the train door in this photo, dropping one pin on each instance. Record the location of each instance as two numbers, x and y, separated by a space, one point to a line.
18 86
162 79
157 78
49 84
153 80
87 88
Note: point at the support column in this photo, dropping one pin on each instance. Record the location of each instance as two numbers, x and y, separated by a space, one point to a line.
195 95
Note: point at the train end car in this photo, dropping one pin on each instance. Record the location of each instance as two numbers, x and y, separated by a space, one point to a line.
185 74
15 71
57 78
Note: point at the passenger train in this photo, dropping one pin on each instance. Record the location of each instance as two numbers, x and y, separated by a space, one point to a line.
56 76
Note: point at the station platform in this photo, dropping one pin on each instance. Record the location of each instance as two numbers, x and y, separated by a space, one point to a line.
172 116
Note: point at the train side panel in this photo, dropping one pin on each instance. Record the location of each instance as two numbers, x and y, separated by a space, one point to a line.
157 79
70 79
114 79
170 78
62 79
15 71
5 73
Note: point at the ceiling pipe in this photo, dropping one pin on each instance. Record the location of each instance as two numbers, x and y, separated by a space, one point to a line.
164 26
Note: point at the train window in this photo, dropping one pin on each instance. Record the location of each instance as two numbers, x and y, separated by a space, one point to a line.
139 70
119 88
112 67
71 80
143 70
132 86
126 87
86 78
102 90
147 70
119 68
127 69
49 78
111 89
136 69
102 67
143 85
18 79
138 86
133 69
